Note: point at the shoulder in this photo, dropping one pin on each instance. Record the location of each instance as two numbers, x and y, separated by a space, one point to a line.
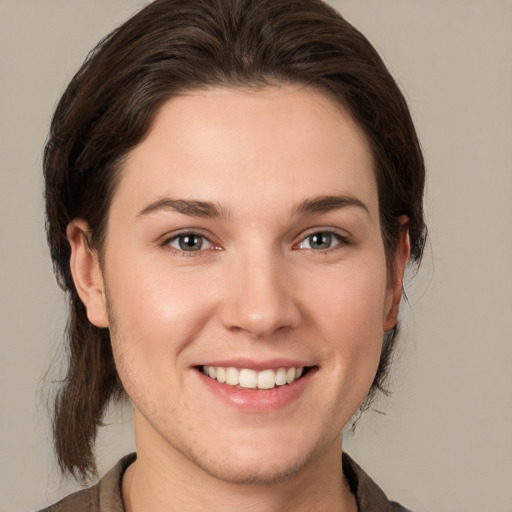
84 500
370 497
105 496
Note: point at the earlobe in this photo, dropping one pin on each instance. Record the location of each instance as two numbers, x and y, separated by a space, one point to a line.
86 272
396 278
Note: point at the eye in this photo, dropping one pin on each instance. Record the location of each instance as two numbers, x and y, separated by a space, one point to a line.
189 242
321 241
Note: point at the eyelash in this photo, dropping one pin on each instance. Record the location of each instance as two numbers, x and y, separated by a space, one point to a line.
183 252
332 235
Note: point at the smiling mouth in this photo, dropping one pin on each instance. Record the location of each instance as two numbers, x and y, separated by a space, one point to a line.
245 378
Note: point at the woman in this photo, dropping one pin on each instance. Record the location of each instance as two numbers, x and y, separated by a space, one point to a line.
234 189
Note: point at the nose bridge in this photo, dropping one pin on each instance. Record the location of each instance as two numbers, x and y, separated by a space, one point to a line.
260 297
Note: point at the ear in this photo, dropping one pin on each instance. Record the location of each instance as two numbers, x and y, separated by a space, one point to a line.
86 272
396 275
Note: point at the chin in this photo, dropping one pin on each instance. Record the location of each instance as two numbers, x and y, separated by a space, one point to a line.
255 472
257 462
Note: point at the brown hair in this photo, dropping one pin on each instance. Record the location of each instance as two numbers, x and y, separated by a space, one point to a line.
171 46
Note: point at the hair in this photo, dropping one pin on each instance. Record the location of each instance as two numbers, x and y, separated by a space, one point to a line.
169 47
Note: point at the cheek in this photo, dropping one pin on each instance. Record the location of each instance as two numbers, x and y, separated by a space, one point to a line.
157 313
350 316
153 321
353 301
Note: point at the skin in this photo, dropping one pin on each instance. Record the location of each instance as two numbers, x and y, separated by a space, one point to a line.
257 289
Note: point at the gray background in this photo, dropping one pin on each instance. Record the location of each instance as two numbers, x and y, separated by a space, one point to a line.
445 443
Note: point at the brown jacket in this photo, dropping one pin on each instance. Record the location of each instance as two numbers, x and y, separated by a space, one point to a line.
105 496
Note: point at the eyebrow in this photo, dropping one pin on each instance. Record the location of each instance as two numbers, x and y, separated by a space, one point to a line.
326 204
204 209
207 209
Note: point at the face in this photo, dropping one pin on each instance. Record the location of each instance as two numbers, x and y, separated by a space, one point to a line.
244 280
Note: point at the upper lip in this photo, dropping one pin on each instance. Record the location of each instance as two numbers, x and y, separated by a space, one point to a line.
252 364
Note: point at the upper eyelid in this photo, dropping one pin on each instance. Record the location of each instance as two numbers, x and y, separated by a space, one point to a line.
341 240
186 231
177 251
341 233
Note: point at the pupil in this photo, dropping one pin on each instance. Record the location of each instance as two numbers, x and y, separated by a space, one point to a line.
320 240
190 242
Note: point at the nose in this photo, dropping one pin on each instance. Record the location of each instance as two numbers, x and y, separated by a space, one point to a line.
259 297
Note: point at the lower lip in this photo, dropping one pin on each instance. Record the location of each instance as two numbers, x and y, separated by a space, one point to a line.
254 400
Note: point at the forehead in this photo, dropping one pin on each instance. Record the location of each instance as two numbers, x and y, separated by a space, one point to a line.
228 145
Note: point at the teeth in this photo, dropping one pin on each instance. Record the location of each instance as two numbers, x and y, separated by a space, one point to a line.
221 374
248 378
232 376
266 379
280 377
251 379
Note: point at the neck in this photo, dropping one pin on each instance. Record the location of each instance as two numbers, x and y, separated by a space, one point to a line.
163 479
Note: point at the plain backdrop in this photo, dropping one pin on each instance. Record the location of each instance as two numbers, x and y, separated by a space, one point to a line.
444 443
